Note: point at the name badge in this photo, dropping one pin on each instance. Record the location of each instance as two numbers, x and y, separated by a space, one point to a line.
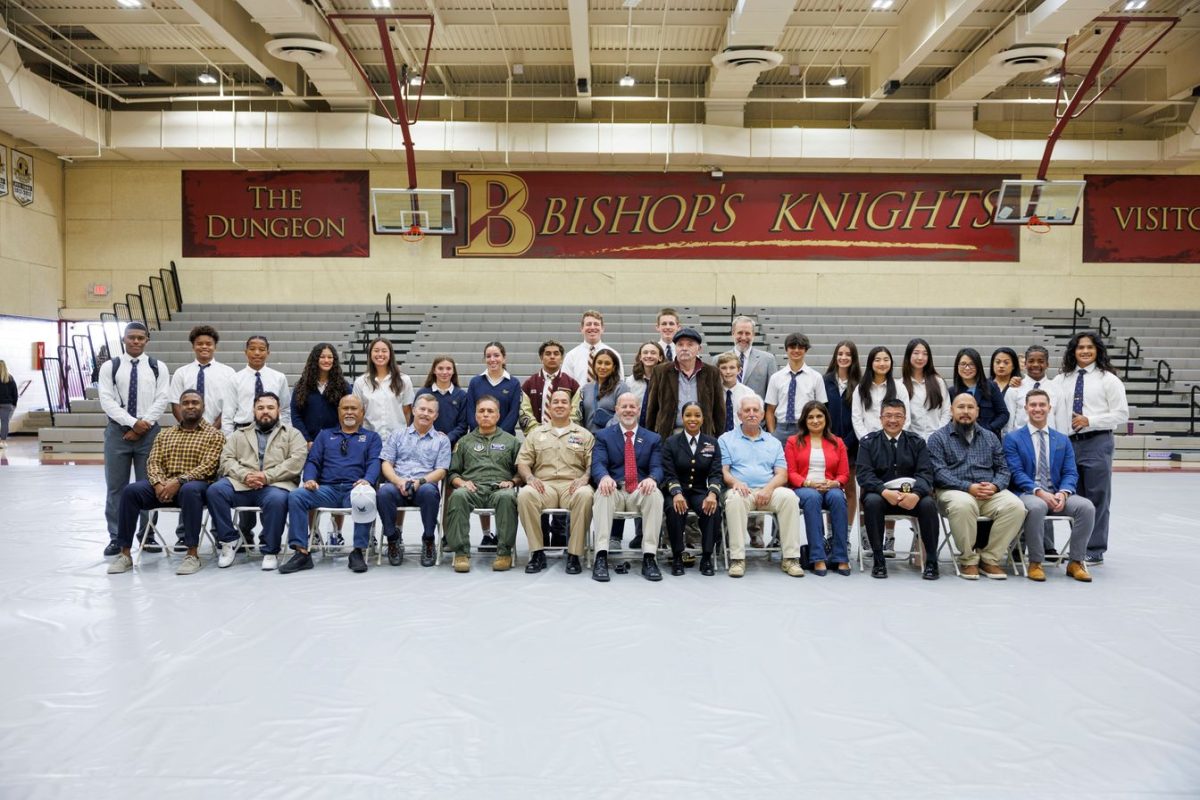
500 447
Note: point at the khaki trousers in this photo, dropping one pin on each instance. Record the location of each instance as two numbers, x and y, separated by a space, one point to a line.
530 505
649 506
783 504
1004 508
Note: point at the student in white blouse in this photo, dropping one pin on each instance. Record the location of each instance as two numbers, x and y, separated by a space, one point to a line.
873 390
251 381
212 379
1092 406
386 392
929 398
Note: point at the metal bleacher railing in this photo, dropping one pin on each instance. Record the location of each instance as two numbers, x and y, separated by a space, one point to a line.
68 374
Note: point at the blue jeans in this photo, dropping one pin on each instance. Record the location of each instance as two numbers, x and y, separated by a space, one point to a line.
327 495
389 498
138 497
119 456
811 504
273 501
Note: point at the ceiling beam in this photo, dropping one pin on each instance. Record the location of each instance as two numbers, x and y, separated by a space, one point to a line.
230 25
581 53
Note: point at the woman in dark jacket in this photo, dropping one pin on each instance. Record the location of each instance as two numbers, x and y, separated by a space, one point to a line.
692 480
969 377
316 395
841 379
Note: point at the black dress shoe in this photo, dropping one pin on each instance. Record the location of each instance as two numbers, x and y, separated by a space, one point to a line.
537 562
650 568
688 559
930 573
112 549
573 565
677 565
600 568
297 562
636 542
357 562
706 564
489 542
879 569
180 546
395 551
427 554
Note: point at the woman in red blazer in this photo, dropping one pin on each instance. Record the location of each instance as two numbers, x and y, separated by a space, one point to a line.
818 470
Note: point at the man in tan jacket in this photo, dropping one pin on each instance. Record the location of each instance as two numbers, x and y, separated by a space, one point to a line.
261 464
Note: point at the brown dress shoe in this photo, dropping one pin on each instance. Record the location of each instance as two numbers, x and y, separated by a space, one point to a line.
970 572
992 571
502 564
1078 571
1035 572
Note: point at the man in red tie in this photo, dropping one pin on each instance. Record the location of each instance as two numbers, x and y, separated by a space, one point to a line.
626 469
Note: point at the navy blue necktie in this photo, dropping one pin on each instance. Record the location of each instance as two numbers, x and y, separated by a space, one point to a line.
1078 406
200 379
728 410
791 407
131 404
258 387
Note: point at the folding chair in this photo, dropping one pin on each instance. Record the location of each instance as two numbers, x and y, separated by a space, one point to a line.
1063 556
915 554
415 549
475 549
949 544
664 541
622 551
151 528
768 549
316 539
557 551
254 547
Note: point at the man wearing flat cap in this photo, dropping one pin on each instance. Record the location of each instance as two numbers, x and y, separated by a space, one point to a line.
686 379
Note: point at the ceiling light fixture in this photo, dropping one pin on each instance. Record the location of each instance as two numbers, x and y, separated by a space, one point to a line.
207 78
1052 78
838 78
881 5
518 69
415 79
1135 5
627 80
381 4
129 3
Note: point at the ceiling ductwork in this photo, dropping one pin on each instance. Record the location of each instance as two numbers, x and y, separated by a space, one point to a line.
748 59
300 50
751 36
1027 58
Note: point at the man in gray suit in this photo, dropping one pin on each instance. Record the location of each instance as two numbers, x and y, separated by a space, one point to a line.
755 366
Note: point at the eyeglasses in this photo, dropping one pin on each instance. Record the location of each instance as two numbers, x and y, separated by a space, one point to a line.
345 445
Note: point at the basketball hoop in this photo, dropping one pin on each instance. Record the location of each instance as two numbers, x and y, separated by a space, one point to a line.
413 235
1036 225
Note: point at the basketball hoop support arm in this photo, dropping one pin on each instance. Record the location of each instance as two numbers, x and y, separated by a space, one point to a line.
1089 80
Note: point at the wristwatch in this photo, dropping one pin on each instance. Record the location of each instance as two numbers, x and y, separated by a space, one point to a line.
420 482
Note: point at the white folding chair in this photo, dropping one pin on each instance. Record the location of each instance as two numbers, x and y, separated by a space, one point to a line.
253 547
915 554
152 529
556 551
409 548
1063 555
768 549
949 544
317 540
619 551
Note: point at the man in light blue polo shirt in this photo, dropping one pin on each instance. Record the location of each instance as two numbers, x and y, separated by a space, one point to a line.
414 460
755 473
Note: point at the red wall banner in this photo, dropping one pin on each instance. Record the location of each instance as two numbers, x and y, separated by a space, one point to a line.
742 216
236 213
1152 218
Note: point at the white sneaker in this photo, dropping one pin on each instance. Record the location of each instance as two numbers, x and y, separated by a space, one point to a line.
122 563
227 554
190 565
270 561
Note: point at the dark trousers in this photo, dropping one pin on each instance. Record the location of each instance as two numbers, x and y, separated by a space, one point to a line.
875 508
139 496
1094 460
389 499
119 457
273 500
676 522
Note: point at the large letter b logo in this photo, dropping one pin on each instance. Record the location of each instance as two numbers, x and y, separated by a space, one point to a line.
497 224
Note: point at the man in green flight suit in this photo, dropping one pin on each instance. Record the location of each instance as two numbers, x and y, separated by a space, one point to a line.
483 472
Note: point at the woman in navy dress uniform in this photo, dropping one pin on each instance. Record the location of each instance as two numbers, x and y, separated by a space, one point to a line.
692 480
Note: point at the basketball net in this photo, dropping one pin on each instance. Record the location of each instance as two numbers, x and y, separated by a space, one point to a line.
415 234
1036 225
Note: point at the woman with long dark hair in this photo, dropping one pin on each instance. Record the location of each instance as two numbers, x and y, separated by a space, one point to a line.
442 383
929 403
1092 405
818 471
649 356
385 391
969 378
842 377
873 390
598 398
316 395
495 381
1005 373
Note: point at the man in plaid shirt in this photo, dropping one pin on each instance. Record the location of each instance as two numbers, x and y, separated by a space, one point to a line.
182 463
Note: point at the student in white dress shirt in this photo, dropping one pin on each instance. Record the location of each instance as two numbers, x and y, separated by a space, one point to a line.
872 391
1092 405
386 392
790 388
578 359
732 390
929 397
667 324
132 418
251 381
212 379
1037 361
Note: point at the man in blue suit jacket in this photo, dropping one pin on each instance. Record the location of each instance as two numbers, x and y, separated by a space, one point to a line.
617 491
1047 484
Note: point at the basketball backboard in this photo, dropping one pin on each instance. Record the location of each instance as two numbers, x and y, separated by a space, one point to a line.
401 211
1038 202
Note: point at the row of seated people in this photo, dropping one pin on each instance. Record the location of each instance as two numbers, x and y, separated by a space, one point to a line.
623 468
667 372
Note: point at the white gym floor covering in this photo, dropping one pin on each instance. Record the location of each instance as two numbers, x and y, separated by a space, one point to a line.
416 682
